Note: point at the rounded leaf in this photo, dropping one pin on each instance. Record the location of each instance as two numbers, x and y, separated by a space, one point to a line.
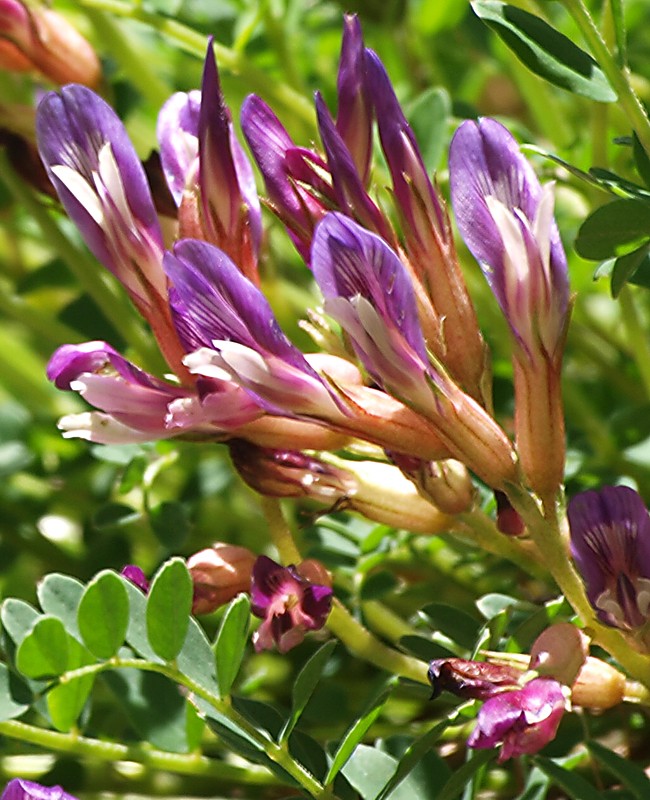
168 609
103 615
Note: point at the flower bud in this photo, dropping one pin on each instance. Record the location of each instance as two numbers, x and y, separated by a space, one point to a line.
598 685
446 483
219 573
559 652
136 576
40 39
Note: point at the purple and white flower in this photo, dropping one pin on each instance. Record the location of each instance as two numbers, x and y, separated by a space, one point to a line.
610 543
19 789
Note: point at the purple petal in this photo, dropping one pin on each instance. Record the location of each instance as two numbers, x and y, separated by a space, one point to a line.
219 303
113 210
350 262
610 535
351 196
19 789
485 163
354 116
410 180
268 579
523 721
178 135
136 576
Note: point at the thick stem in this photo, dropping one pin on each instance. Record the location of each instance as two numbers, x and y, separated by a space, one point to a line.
180 764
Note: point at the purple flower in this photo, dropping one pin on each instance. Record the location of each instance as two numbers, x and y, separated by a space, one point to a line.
229 323
522 721
289 605
19 789
287 171
102 185
136 576
368 291
506 219
610 543
475 680
178 135
138 407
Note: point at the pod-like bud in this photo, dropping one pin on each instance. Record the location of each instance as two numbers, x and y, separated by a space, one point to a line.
219 573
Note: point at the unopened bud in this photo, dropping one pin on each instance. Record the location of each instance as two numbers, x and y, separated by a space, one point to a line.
315 572
288 473
384 495
39 38
471 680
559 652
446 483
219 573
508 519
598 686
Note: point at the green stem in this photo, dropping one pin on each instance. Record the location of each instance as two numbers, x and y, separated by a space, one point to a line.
278 753
381 619
550 534
481 531
192 764
195 43
617 77
639 347
359 641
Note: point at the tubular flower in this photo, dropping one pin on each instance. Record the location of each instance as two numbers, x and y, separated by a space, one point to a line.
220 202
219 573
177 130
522 721
37 38
610 543
368 291
231 328
103 187
506 219
288 603
446 311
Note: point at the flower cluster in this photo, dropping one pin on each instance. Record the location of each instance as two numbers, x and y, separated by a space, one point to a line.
420 388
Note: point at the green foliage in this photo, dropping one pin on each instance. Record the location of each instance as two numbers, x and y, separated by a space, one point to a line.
230 644
168 609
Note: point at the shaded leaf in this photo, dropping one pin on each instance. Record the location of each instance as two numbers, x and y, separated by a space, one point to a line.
641 160
545 51
615 229
358 729
629 774
230 643
305 683
462 776
457 625
429 116
15 696
574 785
625 268
18 618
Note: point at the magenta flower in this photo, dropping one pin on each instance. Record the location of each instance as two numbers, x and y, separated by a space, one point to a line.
523 721
610 543
19 789
288 604
471 680
136 576
178 134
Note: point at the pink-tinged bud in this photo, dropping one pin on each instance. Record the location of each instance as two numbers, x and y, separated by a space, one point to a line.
219 573
446 483
598 686
559 652
40 39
